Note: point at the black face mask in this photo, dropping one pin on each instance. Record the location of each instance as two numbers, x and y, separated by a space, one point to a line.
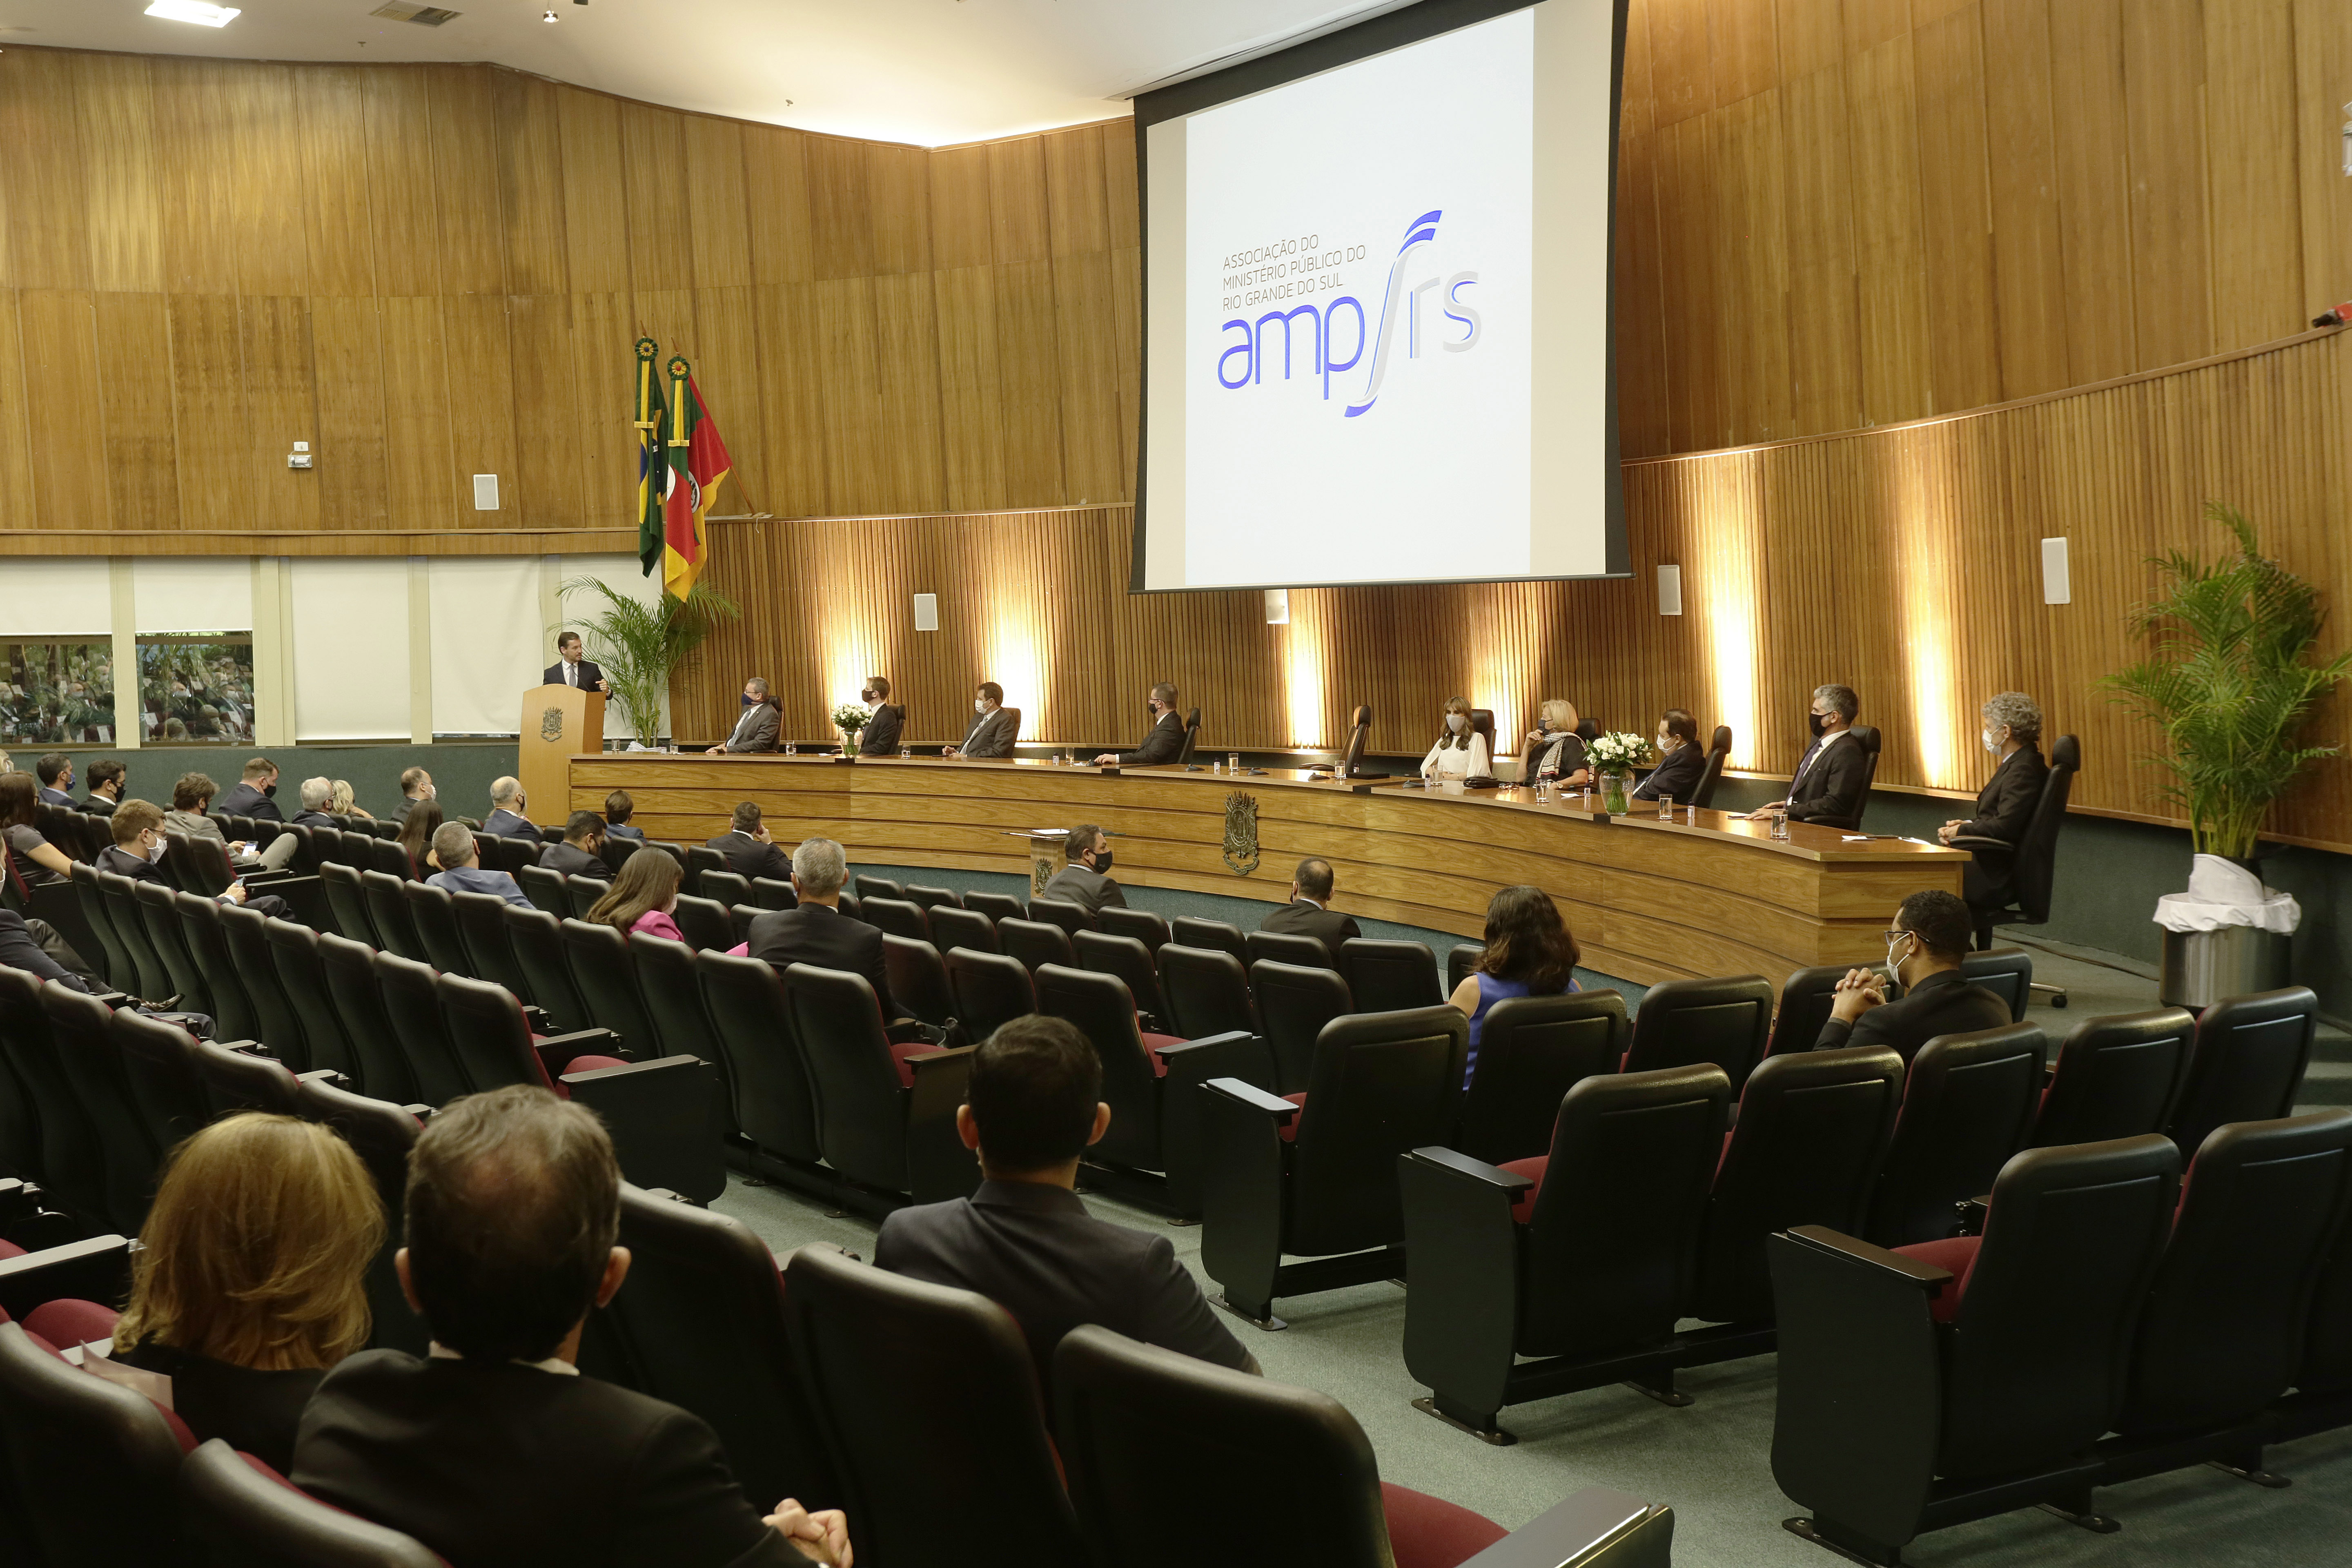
750 701
1102 862
1814 723
271 789
865 697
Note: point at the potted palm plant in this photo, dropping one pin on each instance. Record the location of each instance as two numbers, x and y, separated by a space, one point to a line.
639 645
2231 681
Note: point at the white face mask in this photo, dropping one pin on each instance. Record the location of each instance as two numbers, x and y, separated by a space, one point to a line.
1893 967
156 855
1666 743
1455 722
1992 742
979 704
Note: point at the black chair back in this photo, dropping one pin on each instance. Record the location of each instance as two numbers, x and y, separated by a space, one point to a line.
996 906
582 894
700 859
92 1464
953 928
1285 947
1683 1022
1718 754
774 1106
236 1514
1131 960
235 1016
704 923
114 957
1461 963
1531 1051
2033 871
1103 1009
770 893
93 1061
876 888
1359 734
481 921
71 1162
543 886
1385 976
434 913
387 856
490 1040
991 990
897 916
239 1080
355 848
1218 936
853 1079
1482 724
919 979
1072 918
1192 737
413 1002
933 897
1806 998
160 917
1868 737
245 933
537 940
598 956
302 975
384 1070
347 903
1207 992
1037 942
2007 972
731 889
382 1135
617 849
2249 1062
1144 925
1967 1107
158 1064
1296 1001
200 866
149 981
388 907
2117 1077
1381 1085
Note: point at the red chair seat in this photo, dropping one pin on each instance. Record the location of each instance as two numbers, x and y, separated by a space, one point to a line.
1522 1207
899 1051
581 1064
71 1322
1426 1531
1957 1253
1151 1044
1290 1128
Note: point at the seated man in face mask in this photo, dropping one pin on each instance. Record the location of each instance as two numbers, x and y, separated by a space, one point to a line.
137 850
1085 877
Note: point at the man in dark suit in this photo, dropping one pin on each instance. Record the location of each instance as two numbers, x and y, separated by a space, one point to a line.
817 932
570 670
749 851
495 1449
1309 912
581 852
415 784
1025 1239
1681 759
2005 806
618 809
1834 772
1924 951
106 781
251 796
1084 876
994 729
1163 742
508 803
315 794
54 775
138 826
21 949
881 736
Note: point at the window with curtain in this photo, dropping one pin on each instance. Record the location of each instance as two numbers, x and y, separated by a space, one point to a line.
195 689
57 691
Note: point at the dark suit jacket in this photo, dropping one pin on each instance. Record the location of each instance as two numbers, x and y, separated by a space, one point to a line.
565 860
1676 773
623 829
881 736
590 674
1943 1003
1085 887
2005 809
1161 745
1834 786
496 1463
309 818
19 950
824 936
53 796
255 1412
1036 1251
747 856
244 799
991 734
123 863
98 805
400 813
1299 918
505 824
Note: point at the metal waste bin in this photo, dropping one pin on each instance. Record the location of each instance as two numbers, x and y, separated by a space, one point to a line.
2200 967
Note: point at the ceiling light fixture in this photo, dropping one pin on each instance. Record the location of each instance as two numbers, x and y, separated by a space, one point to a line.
203 13
549 17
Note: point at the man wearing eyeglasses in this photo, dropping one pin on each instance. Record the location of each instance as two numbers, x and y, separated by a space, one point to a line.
1931 937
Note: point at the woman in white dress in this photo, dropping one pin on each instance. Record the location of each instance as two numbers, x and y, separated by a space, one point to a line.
1460 750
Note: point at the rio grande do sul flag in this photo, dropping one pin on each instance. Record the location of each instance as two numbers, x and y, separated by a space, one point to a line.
698 465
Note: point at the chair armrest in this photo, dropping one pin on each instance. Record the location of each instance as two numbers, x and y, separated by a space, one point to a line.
1457 1164
1251 1097
329 1076
664 1118
116 1000
1979 841
1461 1316
1235 1054
422 1112
939 1167
936 1053
558 1050
1823 1239
1182 1050
97 1270
1596 1520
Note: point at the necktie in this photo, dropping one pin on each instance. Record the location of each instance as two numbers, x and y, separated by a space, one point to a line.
572 676
1805 761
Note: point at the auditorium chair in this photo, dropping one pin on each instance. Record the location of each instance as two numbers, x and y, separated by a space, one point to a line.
1207 992
245 933
2033 860
885 1119
930 1402
1131 962
741 916
1295 1002
1531 1051
491 1045
235 1509
616 851
421 1027
897 916
72 1163
433 912
1218 936
388 907
847 904
876 888
1482 722
112 957
598 957
991 990
673 1000
704 923
699 859
1582 1258
580 895
1315 1175
773 893
1143 925
357 848
1968 1105
1037 942
1145 1433
235 1016
1461 963
544 887
1070 917
347 903
1681 1023
381 1066
933 897
953 928
2323 1397
919 980
92 1466
236 1079
996 906
387 856
702 1325
1285 947
160 919
1360 733
198 870
1913 1397
775 1109
2006 972
20 1115
481 921
1718 754
93 1072
537 938
1387 976
1151 1081
1806 998
731 888
2249 1062
149 980
158 1068
2115 1078
302 970
381 1134
1192 737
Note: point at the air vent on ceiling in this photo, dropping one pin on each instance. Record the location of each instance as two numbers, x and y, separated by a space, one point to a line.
423 16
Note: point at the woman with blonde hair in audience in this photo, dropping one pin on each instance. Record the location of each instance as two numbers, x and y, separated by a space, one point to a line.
1530 951
341 803
643 896
1460 750
251 1282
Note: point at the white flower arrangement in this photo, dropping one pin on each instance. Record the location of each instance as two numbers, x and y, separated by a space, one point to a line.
1616 752
849 716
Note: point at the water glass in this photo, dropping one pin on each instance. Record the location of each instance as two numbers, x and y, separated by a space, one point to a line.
1543 790
906 752
1233 761
1665 808
791 748
1067 761
1781 823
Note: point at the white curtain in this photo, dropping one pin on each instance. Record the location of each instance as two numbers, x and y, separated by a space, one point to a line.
351 649
192 593
486 650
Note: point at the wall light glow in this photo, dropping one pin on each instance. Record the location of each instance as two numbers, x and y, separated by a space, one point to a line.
1925 547
1013 663
1725 581
1302 670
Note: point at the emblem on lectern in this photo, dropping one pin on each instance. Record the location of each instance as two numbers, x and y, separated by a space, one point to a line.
551 724
1241 833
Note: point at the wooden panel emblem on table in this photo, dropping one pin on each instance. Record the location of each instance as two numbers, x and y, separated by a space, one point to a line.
558 722
1706 893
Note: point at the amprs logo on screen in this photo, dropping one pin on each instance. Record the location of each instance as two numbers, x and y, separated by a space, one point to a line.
1288 268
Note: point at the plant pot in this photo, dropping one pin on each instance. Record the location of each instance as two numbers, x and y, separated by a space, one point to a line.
2200 967
1612 791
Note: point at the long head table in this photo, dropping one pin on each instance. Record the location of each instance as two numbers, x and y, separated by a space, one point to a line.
1707 894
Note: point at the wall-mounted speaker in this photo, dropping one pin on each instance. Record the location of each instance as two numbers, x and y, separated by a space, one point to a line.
927 612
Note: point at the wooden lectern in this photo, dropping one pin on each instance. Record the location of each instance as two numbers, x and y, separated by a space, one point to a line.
559 723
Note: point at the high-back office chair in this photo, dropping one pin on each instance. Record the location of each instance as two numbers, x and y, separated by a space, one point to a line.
1192 737
2032 859
1359 734
1587 729
1482 721
1718 752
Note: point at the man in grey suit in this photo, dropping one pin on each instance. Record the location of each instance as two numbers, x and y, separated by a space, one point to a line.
993 728
1084 878
761 722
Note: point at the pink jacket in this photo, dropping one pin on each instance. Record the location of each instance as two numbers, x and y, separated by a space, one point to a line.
653 922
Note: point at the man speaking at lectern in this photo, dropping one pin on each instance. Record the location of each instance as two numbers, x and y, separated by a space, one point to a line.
570 670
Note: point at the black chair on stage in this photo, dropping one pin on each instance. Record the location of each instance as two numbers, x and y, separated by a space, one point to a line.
2032 861
1718 754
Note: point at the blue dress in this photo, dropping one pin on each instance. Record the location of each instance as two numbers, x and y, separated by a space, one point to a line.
1490 991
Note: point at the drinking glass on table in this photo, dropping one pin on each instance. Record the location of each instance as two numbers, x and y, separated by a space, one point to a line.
1781 822
1233 761
905 753
791 748
1665 808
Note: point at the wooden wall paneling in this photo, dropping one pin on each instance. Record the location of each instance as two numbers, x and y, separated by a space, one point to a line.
653 173
972 424
2163 105
1637 110
264 143
907 358
1963 341
1753 262
1639 344
599 232
280 409
1812 34
963 231
549 395
849 372
134 411
400 182
2094 146
1121 199
15 438
1698 409
347 378
1093 461
2250 155
416 425
192 115
2028 261
604 408
2323 66
1870 23
528 115
1823 323
775 189
667 315
1889 242
1744 41
1078 201
841 225
69 449
119 164
897 184
721 231
466 185
479 360
1016 200
49 221
728 369
331 104
1682 72
1127 354
208 413
1028 366
792 400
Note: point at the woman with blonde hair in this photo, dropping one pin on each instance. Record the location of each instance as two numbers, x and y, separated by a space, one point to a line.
340 802
642 895
252 1280
1555 750
1460 750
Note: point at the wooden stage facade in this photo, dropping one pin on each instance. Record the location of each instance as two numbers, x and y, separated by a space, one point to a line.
1649 900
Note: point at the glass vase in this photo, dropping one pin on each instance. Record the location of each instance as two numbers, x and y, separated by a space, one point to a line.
1612 791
